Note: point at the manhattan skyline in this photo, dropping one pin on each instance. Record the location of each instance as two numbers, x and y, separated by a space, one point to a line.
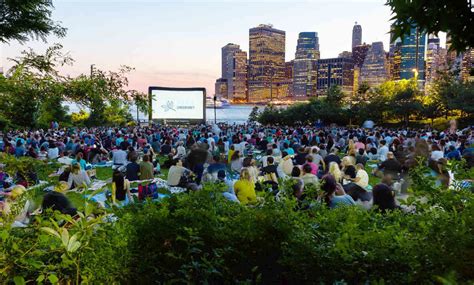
179 43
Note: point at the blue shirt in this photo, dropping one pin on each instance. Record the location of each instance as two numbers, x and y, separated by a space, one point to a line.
337 201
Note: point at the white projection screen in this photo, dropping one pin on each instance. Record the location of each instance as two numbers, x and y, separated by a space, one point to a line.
178 104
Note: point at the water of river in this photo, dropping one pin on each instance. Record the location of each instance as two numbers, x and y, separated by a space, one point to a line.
230 114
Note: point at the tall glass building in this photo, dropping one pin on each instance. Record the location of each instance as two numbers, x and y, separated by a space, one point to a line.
335 71
226 50
234 72
356 35
374 69
266 63
304 67
411 58
436 60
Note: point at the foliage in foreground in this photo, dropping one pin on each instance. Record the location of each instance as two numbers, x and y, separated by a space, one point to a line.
202 236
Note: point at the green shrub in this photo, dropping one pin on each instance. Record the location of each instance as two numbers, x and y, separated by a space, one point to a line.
200 236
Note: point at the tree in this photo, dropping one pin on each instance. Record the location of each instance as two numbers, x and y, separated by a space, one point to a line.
253 116
335 95
24 19
455 17
33 88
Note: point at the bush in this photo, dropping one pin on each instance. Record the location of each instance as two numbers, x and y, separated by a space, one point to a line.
200 236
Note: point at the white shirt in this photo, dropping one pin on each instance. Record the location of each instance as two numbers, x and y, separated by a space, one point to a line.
53 153
437 154
363 178
119 157
383 151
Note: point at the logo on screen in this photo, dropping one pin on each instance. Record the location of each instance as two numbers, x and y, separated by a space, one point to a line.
168 106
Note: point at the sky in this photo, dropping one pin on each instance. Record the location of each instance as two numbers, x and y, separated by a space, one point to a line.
178 43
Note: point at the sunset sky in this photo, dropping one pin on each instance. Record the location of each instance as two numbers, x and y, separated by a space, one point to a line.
177 43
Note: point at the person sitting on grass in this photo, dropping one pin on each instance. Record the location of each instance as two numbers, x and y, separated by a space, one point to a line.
384 198
146 168
244 188
132 172
121 187
78 177
333 193
353 189
308 176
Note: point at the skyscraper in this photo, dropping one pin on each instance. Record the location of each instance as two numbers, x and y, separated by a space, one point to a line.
436 60
359 53
234 73
374 69
356 35
229 48
335 71
304 68
413 55
266 63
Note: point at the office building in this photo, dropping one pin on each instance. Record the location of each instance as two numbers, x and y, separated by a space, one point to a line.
356 35
227 50
304 67
436 60
359 53
374 69
395 59
335 71
266 63
412 52
234 72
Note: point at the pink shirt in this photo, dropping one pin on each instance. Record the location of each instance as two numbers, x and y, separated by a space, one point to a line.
314 168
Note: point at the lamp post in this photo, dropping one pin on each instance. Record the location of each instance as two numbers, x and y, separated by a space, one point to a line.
215 113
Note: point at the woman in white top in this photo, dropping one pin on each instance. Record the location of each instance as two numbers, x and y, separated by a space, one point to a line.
436 152
236 162
78 177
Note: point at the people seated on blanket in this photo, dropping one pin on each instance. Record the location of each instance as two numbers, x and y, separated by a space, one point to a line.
132 170
119 156
236 161
286 163
249 163
229 193
166 148
453 153
389 166
146 168
79 159
308 177
120 187
361 157
333 194
335 171
353 189
180 176
78 177
384 198
332 157
244 188
64 158
216 165
270 172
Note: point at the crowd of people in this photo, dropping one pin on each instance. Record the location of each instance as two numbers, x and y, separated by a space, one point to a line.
249 158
